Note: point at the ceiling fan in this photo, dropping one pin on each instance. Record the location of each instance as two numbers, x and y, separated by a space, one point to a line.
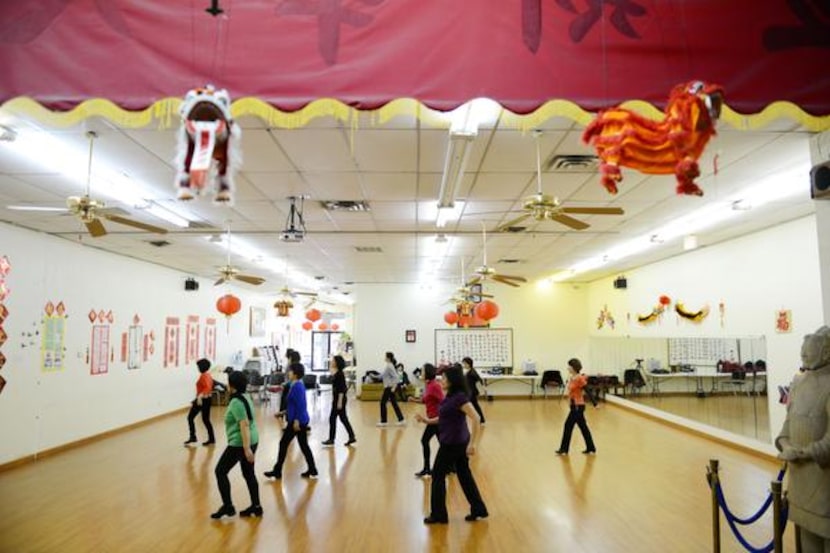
545 207
229 272
89 210
465 293
488 273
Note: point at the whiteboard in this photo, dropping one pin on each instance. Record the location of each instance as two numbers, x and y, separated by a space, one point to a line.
487 347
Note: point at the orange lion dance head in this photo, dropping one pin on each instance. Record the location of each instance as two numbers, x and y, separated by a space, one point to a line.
673 144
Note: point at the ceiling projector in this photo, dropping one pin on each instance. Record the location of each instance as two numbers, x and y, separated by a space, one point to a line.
292 235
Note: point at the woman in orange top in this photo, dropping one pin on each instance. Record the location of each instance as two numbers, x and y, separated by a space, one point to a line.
204 389
576 386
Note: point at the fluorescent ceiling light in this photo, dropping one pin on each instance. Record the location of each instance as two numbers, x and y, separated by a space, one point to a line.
446 214
468 118
455 163
690 242
772 188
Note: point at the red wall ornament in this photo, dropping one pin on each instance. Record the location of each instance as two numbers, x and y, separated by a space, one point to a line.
322 326
335 327
665 300
487 310
313 315
308 325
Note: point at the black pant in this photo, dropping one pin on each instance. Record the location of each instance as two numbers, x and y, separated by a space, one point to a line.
430 430
477 407
229 458
577 417
195 409
344 418
302 437
449 456
387 396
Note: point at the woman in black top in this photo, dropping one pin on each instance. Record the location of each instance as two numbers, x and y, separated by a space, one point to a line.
473 378
338 401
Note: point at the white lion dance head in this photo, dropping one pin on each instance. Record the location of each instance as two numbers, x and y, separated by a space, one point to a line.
208 145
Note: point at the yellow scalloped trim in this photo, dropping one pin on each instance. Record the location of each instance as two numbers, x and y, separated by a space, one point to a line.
164 114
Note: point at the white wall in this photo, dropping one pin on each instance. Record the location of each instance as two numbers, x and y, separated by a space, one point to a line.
548 325
40 410
753 276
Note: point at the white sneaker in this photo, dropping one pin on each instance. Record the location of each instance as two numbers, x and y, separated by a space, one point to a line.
382 425
401 423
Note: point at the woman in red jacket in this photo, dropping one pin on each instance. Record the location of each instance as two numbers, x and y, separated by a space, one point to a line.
576 386
431 398
204 389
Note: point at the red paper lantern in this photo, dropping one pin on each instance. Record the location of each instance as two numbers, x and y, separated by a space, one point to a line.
450 317
228 305
477 321
465 321
335 326
665 300
313 315
308 325
322 326
487 310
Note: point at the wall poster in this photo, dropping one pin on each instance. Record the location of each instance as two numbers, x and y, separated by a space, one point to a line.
171 342
52 354
210 339
135 343
191 353
100 350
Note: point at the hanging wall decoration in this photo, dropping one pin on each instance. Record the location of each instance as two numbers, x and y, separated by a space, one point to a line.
228 305
52 350
100 347
135 343
210 338
722 312
451 318
693 316
658 310
283 307
486 310
208 144
623 138
171 342
5 269
191 348
783 321
313 315
308 325
605 318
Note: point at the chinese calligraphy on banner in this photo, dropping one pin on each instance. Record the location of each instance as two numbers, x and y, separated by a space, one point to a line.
192 339
100 350
210 338
491 347
171 342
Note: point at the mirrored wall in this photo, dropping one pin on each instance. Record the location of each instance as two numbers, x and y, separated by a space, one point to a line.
718 381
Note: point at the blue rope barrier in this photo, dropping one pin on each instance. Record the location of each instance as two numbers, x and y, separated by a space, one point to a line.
760 513
731 521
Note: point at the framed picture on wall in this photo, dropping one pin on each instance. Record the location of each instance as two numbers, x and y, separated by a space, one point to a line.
257 326
410 336
475 293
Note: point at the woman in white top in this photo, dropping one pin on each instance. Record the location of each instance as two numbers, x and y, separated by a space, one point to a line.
390 381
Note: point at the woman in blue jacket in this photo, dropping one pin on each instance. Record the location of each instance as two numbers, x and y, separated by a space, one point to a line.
296 424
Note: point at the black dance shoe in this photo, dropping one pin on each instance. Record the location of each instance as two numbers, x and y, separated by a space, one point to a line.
309 474
275 474
434 520
252 511
224 511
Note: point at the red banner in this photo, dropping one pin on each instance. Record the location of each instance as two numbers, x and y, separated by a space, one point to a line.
366 53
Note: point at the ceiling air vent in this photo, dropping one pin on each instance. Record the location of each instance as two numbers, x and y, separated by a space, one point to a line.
509 261
572 163
159 243
515 229
368 249
345 205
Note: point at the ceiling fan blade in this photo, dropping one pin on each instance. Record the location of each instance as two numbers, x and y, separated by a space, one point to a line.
594 210
473 281
511 277
95 228
35 208
513 222
221 280
309 294
130 223
499 278
249 279
575 224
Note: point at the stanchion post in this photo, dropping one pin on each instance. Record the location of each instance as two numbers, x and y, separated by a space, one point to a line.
777 538
713 482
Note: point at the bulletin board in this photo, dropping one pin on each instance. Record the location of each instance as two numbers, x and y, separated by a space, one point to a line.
487 347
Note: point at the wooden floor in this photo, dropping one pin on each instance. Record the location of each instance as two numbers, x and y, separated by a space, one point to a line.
739 414
141 491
